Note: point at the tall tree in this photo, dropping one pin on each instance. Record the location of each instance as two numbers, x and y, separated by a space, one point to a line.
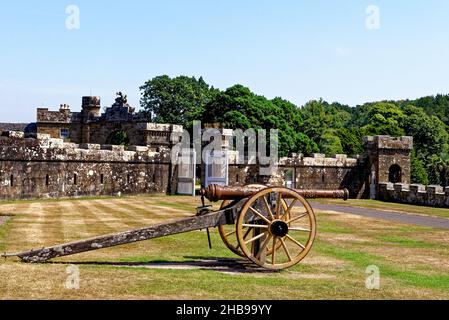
180 100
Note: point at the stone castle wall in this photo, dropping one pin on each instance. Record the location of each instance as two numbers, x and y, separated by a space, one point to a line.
43 167
299 172
38 166
415 194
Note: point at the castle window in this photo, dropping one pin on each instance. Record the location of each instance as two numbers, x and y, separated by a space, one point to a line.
237 178
128 178
65 133
11 181
102 179
395 174
47 180
75 178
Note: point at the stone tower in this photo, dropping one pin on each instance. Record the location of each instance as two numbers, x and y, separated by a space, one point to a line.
91 108
388 161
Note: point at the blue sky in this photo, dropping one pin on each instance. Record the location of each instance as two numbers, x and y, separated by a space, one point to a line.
299 50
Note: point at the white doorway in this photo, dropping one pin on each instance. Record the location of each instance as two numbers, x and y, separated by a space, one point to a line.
186 172
217 168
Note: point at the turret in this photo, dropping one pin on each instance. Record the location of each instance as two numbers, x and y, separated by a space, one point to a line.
91 107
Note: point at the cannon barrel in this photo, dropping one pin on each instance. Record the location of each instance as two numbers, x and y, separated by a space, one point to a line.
216 193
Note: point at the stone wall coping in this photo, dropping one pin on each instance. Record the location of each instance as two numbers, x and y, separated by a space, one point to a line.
61 150
388 142
414 188
401 187
149 126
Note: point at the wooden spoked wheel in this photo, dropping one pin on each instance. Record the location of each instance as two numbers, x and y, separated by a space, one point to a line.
228 235
228 232
276 218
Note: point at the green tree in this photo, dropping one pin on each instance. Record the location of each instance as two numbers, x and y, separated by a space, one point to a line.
429 132
418 170
330 143
239 108
351 140
384 118
438 169
180 100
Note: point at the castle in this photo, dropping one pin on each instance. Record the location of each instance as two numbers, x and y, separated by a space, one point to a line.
92 126
71 154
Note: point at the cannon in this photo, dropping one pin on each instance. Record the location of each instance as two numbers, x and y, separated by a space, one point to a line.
274 227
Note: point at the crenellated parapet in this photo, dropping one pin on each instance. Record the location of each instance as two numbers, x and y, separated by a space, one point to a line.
14 145
299 160
416 194
38 166
388 142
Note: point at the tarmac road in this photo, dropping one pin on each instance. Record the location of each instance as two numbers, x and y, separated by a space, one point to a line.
433 222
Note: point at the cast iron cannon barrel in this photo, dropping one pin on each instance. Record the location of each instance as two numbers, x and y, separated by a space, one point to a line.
216 193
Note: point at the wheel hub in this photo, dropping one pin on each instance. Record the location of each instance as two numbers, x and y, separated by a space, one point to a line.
279 228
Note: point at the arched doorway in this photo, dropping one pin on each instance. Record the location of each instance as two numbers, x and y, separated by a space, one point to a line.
395 174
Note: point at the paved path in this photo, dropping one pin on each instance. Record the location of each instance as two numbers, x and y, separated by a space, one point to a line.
440 223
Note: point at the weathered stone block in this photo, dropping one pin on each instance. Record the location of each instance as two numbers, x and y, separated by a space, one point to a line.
138 148
43 136
56 143
433 189
386 185
341 157
415 188
399 187
90 146
114 148
13 134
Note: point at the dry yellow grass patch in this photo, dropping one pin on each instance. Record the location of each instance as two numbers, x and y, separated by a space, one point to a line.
335 269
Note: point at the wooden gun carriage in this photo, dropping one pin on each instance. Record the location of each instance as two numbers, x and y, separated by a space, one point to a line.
274 227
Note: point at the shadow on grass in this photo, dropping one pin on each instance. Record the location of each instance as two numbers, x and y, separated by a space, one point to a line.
198 263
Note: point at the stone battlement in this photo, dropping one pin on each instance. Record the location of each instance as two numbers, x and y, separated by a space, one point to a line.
14 145
417 194
387 142
319 160
316 160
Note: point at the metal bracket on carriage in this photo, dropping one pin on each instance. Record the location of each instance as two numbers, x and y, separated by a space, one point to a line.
203 210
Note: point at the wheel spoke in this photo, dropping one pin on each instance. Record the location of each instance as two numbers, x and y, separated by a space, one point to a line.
285 205
260 215
278 205
296 242
256 226
273 257
298 217
247 233
289 209
231 233
268 208
256 238
299 229
287 252
264 246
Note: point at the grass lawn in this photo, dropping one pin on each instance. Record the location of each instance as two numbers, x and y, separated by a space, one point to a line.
413 261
